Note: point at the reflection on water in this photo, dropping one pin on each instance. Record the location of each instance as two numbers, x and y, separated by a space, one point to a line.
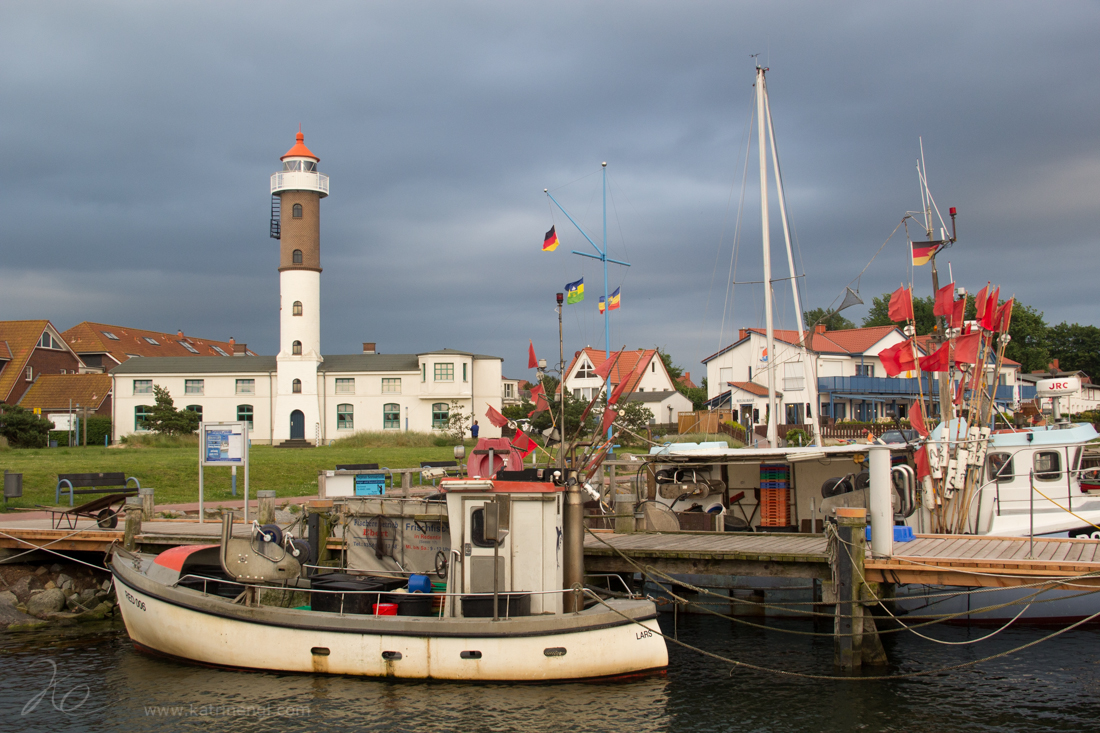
101 683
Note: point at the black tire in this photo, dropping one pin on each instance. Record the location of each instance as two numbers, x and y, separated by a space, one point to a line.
305 552
107 519
274 532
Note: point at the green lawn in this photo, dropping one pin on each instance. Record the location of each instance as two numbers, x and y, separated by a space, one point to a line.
174 472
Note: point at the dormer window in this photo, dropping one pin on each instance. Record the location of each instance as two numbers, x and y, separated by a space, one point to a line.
151 340
49 342
296 212
296 257
297 308
585 371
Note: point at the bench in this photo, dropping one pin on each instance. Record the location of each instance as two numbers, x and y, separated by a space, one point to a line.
451 468
93 483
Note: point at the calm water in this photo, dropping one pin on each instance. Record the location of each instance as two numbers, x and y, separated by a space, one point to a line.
101 683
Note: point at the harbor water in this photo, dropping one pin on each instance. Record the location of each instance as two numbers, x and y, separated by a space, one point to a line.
92 679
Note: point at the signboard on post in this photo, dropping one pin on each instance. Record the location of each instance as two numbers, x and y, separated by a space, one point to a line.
223 444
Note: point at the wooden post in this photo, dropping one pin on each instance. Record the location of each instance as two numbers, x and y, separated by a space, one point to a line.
851 523
148 505
266 500
406 483
320 527
133 524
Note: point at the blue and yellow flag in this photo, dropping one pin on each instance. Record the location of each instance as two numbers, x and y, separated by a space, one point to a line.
574 292
614 298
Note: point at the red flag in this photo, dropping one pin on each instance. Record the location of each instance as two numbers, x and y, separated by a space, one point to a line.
989 316
945 300
966 348
635 375
609 416
957 313
541 405
604 370
921 459
981 300
532 362
523 443
916 419
1004 316
901 305
960 390
496 418
936 361
897 358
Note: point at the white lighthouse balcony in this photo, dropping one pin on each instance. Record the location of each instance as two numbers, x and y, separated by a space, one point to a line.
299 181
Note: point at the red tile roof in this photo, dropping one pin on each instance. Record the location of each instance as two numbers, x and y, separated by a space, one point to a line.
53 391
685 379
21 338
92 338
623 366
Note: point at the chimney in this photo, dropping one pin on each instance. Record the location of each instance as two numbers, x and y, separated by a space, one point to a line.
179 334
232 345
1053 368
368 347
819 328
240 349
742 334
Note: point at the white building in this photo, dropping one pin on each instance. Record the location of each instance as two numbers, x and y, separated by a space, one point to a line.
653 388
301 394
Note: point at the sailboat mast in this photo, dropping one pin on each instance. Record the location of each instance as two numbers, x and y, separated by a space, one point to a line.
809 373
773 431
946 404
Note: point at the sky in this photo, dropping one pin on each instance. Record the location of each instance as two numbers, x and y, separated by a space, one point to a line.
138 141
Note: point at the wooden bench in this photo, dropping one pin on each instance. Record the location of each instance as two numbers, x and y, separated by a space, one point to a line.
93 483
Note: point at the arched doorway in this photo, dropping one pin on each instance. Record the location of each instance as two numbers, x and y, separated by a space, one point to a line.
297 425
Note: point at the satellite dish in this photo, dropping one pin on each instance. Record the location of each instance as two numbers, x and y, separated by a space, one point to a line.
659 518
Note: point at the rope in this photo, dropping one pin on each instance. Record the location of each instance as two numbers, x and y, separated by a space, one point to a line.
1040 493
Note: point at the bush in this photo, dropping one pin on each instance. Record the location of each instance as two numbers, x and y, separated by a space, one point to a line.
99 427
797 437
155 440
23 428
388 439
734 424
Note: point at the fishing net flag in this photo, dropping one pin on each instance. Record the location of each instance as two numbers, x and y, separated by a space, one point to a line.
550 241
924 251
901 305
1004 315
898 358
495 418
958 310
574 291
945 301
538 394
604 370
924 469
981 300
607 419
523 443
988 319
966 348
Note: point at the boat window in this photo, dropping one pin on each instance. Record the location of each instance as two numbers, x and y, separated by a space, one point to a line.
477 528
1000 467
1048 465
1077 459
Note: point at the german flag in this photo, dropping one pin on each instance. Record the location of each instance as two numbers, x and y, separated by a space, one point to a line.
550 241
924 251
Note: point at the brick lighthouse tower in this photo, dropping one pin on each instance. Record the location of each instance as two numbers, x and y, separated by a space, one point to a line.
296 193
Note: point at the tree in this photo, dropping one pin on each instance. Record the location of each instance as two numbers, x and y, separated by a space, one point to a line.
457 422
635 417
1029 344
879 314
166 419
23 428
1075 347
674 371
833 321
697 395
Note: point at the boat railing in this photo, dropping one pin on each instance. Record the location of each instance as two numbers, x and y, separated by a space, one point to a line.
260 588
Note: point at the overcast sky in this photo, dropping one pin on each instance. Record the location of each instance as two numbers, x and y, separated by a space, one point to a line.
138 140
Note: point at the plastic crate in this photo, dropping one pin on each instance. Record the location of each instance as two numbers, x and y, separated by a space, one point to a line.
901 534
775 507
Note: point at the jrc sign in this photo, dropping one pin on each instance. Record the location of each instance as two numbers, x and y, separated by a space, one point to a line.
1057 386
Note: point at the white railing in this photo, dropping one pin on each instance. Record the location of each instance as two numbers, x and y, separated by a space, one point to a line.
299 181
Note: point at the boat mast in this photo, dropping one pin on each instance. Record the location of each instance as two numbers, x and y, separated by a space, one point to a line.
773 431
940 334
809 371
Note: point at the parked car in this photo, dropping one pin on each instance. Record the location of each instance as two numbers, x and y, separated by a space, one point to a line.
899 437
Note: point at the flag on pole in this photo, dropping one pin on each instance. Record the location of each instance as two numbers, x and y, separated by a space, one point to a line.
607 419
604 370
901 305
936 361
574 292
550 241
966 348
532 362
924 251
495 418
613 299
523 444
957 312
897 358
916 419
1004 315
989 316
981 300
921 459
945 300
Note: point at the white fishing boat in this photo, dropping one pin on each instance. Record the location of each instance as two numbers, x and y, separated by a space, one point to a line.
504 615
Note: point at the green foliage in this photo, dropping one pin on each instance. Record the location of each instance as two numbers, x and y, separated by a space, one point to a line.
23 428
673 371
99 427
702 438
734 424
833 321
157 440
457 423
634 417
387 438
1030 338
166 419
797 437
1075 347
879 314
697 395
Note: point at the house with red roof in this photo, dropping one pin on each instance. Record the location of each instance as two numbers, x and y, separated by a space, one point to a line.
28 350
648 381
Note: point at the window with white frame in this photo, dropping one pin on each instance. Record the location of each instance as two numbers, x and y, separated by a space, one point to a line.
793 377
188 346
345 417
193 386
345 385
444 372
30 373
509 390
49 342
391 385
151 340
865 370
143 386
391 416
585 370
246 386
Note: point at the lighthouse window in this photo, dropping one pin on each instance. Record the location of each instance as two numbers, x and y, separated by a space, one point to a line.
296 348
292 165
297 307
297 257
297 211
296 386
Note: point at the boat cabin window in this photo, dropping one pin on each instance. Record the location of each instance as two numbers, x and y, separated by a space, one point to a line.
1000 467
1048 465
477 528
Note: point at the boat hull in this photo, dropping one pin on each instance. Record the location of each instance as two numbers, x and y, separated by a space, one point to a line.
488 652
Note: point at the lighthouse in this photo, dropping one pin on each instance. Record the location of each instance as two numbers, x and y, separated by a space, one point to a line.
296 193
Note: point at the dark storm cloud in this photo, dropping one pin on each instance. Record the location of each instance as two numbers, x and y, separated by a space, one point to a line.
138 140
